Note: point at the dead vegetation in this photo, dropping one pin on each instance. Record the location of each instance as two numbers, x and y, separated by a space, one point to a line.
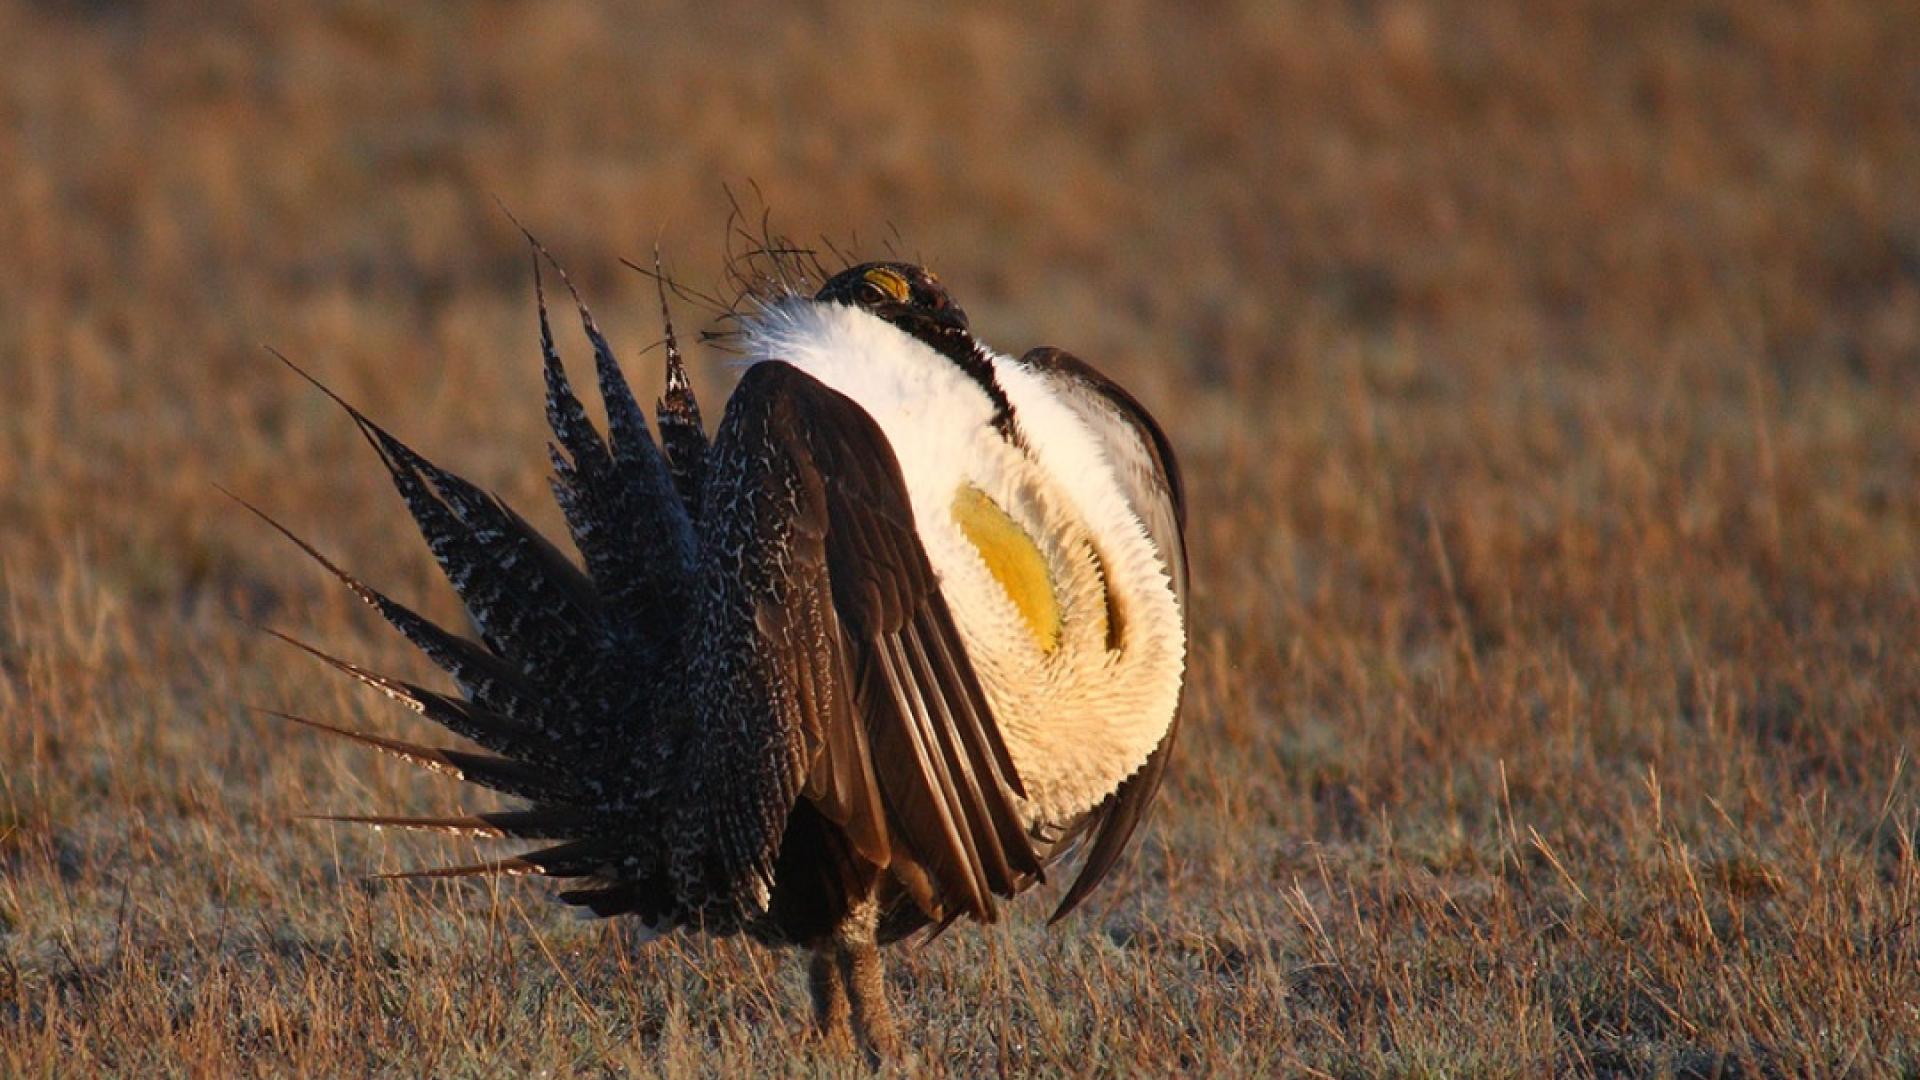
1546 384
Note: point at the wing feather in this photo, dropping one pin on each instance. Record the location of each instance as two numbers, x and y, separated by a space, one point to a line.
1150 477
899 728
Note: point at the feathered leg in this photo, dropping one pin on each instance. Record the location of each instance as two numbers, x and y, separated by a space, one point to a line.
832 1015
858 954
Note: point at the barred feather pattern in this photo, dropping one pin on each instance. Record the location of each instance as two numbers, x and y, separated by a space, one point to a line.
746 733
678 414
582 680
604 487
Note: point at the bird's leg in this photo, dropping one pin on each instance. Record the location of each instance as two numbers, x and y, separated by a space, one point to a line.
832 1016
859 960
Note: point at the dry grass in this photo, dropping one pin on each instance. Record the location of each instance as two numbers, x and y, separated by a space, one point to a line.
1547 382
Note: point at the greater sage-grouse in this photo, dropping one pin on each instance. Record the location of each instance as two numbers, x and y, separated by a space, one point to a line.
905 633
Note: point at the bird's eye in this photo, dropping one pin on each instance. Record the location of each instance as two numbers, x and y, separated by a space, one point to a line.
884 284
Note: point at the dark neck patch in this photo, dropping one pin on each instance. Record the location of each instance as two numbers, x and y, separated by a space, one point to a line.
971 357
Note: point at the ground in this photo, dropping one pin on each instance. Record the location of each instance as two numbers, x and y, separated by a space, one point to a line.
1545 379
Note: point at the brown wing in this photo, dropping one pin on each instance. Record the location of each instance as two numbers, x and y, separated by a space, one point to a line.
1151 477
904 753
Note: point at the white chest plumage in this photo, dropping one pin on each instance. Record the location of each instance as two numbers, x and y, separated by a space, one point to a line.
1083 699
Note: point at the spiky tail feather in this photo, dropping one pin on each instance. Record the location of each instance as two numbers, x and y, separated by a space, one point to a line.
678 414
561 683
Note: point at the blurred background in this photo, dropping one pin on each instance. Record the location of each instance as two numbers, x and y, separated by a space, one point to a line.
1547 376
1229 205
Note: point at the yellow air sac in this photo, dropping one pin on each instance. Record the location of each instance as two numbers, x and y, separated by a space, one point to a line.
1013 560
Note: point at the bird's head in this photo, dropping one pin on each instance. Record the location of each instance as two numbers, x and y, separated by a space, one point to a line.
906 296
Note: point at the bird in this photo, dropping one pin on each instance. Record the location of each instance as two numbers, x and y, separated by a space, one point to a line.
904 633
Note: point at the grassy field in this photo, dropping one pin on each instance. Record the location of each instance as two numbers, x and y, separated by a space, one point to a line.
1547 381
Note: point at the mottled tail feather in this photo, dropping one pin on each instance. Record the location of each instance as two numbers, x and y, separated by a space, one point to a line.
681 433
502 704
557 686
538 824
504 775
614 899
578 858
509 867
530 602
621 502
532 606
